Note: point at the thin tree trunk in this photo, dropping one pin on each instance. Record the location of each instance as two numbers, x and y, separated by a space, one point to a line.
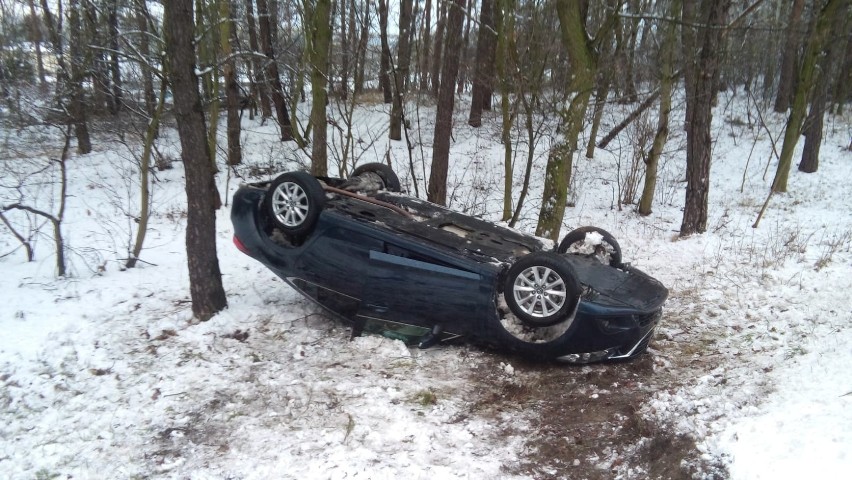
272 76
462 75
700 86
437 192
384 74
483 77
320 43
560 160
35 31
361 55
205 279
145 51
77 101
425 46
805 83
259 80
788 59
666 84
438 47
115 71
400 73
228 39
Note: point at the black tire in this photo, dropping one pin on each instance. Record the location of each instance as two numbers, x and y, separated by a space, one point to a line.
608 251
294 201
386 173
541 289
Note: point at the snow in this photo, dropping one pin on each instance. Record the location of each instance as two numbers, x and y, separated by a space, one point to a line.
105 374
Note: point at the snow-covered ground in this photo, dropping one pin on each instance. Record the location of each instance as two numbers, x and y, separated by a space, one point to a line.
105 375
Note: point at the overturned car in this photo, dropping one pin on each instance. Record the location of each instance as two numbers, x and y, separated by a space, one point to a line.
395 265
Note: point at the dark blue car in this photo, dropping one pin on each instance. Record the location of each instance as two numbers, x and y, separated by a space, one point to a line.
395 265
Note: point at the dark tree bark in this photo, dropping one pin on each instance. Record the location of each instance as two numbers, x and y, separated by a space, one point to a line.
483 77
425 46
816 43
228 37
384 74
437 192
788 58
701 51
205 280
361 60
259 82
400 73
36 36
438 47
272 76
462 75
828 66
77 101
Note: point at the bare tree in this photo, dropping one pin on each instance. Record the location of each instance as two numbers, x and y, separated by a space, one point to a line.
701 59
260 86
400 73
789 56
272 76
228 39
583 53
319 17
437 192
385 63
483 77
816 43
205 279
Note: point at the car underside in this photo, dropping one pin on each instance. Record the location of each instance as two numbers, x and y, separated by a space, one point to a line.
399 266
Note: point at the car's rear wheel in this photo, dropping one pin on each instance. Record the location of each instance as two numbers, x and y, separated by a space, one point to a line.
541 289
593 242
294 202
386 173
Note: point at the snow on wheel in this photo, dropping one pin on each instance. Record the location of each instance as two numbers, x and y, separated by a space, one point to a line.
294 201
541 289
386 173
593 242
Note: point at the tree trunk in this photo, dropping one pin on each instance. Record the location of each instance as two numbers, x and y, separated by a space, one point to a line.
504 18
828 66
425 46
437 192
667 58
77 102
400 74
384 74
438 47
361 61
320 19
462 75
272 76
205 279
701 52
228 38
115 71
572 26
483 77
804 85
35 31
145 52
788 59
261 85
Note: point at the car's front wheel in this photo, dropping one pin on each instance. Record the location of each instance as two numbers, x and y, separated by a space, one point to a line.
541 289
593 242
294 201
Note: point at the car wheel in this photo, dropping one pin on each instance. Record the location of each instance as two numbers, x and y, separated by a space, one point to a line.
294 201
386 173
541 289
601 245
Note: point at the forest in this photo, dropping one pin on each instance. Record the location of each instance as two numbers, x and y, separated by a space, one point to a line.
127 124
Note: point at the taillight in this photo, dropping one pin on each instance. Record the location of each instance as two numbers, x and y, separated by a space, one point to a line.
240 246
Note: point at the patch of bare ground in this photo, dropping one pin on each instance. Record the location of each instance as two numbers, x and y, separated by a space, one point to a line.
585 421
